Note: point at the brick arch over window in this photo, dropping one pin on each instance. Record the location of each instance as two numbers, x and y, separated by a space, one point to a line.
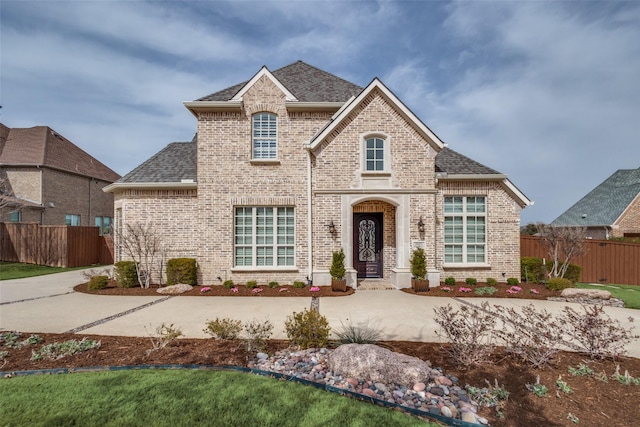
264 135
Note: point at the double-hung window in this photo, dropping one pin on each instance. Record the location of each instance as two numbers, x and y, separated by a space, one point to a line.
374 154
104 222
465 231
265 136
264 237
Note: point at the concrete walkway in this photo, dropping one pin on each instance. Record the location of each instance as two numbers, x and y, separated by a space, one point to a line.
48 304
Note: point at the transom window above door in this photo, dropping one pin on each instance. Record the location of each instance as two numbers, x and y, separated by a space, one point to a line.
265 136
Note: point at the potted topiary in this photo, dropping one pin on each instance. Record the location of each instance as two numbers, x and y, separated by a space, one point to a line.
337 271
419 282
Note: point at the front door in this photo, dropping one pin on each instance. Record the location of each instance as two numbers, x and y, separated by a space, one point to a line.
367 244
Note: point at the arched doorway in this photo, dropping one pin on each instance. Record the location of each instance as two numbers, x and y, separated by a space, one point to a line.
368 259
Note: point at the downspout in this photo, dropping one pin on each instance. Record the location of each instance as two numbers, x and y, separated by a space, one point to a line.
309 219
89 212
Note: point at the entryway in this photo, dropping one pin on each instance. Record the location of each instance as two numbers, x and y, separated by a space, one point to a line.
368 244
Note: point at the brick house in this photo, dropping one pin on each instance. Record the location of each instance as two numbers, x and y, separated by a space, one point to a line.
296 163
49 180
612 209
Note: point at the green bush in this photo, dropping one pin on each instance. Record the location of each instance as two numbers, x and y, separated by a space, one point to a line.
573 273
559 283
228 284
486 290
450 281
98 282
307 329
418 263
182 270
223 329
471 281
251 284
513 281
491 281
532 270
298 284
337 269
126 274
274 284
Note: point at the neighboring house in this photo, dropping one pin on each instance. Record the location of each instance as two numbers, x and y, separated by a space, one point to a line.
296 163
49 180
612 209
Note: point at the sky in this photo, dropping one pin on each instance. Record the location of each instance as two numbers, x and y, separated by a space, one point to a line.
545 92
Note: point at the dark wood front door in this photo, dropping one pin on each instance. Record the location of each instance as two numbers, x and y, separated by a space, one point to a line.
367 244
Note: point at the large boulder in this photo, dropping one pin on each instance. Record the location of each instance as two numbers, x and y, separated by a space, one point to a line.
585 293
174 289
378 364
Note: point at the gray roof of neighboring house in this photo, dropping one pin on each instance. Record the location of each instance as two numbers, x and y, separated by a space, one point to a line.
43 147
306 82
454 163
604 204
175 162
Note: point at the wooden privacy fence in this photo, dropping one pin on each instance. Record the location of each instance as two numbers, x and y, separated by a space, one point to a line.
54 245
605 261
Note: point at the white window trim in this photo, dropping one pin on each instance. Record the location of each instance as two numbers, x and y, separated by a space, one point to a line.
386 171
264 160
464 215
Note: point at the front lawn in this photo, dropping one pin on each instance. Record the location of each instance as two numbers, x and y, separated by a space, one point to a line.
189 398
17 270
630 294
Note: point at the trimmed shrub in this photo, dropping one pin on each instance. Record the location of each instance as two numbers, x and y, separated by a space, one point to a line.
182 270
450 281
307 329
491 281
299 284
559 283
532 270
513 281
223 329
573 273
98 282
251 284
471 281
418 264
274 284
228 284
337 269
126 274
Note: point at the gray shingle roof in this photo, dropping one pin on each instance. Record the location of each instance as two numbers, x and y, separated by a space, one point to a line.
605 203
175 162
454 163
307 83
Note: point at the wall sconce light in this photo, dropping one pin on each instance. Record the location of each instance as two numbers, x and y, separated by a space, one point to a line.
332 228
421 225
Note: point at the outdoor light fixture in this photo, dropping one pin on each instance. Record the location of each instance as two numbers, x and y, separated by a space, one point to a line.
421 225
332 228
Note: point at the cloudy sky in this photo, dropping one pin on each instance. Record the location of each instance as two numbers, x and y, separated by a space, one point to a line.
546 92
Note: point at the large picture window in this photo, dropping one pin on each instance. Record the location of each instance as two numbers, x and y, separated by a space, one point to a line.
465 230
264 237
265 136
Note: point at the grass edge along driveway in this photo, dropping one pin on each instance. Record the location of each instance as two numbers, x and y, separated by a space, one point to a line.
18 270
630 294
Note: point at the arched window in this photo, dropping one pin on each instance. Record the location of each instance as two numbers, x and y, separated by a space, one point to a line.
265 136
374 154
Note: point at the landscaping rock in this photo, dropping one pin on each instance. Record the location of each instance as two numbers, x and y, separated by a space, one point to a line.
174 289
378 364
586 293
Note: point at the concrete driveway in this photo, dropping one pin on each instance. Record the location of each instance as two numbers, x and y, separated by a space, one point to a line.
48 304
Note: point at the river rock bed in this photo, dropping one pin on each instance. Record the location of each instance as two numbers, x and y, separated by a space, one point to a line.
440 394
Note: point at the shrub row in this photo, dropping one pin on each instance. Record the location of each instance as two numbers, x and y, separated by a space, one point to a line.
179 270
532 270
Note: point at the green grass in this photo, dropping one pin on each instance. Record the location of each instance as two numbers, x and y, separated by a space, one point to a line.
630 294
17 270
170 398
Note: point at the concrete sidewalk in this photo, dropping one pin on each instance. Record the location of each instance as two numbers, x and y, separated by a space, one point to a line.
48 304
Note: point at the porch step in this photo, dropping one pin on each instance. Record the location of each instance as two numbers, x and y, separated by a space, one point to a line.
374 285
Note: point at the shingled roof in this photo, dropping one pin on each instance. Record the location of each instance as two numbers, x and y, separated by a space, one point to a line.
451 162
174 163
603 205
306 82
42 146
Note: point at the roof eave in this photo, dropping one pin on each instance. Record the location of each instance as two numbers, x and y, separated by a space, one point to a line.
313 106
117 186
499 177
212 106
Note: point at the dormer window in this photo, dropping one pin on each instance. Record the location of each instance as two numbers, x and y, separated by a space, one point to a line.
265 136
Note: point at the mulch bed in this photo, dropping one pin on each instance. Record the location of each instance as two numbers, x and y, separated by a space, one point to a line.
527 291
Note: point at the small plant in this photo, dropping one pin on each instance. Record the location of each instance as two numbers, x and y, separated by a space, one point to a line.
485 290
58 350
558 284
514 289
581 371
450 281
534 291
3 355
337 270
563 386
446 289
573 418
223 329
538 389
258 333
314 289
98 282
165 334
273 284
235 290
491 281
11 339
463 289
418 264
354 334
307 329
299 284
513 281
471 281
228 284
491 396
205 289
625 379
251 284
256 290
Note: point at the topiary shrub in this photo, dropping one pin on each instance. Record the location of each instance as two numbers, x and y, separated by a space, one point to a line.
450 281
182 270
126 274
418 264
513 281
337 270
98 282
471 281
251 284
491 281
298 284
273 284
228 284
307 329
559 283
